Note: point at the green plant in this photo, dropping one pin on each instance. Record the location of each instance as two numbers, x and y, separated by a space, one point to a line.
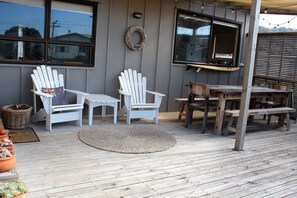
12 189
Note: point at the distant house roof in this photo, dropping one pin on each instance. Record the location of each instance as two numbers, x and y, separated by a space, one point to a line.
74 37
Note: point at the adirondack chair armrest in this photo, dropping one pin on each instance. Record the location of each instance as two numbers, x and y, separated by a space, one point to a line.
77 92
124 93
155 93
42 94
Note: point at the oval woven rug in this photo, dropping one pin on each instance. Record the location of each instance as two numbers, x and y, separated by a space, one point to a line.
127 138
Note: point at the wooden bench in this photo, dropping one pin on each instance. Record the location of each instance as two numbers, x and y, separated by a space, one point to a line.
183 104
279 110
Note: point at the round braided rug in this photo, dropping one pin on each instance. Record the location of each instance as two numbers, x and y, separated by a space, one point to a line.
127 138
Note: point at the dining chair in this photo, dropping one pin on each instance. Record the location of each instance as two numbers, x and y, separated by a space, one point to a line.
199 90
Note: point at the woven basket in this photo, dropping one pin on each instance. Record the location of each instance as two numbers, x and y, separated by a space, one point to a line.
16 116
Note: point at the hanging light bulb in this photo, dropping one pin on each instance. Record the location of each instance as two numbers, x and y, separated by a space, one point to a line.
265 11
233 10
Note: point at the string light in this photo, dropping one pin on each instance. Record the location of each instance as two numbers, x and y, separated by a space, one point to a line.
279 24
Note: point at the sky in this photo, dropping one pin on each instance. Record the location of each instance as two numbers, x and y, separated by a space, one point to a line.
281 20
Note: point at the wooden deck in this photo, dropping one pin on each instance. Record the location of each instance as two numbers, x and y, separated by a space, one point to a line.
199 165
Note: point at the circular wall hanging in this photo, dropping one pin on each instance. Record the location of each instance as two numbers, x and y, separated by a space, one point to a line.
128 38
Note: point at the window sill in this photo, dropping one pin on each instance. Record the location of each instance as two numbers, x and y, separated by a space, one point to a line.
211 67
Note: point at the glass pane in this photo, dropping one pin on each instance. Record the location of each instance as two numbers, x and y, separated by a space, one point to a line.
18 50
224 44
69 54
192 38
16 19
71 22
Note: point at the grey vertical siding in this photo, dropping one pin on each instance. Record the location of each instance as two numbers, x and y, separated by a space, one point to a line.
112 55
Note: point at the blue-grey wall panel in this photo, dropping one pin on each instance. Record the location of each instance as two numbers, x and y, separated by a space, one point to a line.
150 52
10 89
164 50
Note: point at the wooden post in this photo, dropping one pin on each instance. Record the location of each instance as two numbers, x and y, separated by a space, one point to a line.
248 74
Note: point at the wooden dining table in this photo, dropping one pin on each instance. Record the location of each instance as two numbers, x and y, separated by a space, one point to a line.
233 92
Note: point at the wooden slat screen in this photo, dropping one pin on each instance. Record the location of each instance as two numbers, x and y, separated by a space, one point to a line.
276 62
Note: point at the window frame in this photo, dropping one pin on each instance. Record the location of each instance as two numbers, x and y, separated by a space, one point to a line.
235 60
46 41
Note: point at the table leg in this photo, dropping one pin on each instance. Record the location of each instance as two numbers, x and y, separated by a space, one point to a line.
220 114
90 113
115 111
103 111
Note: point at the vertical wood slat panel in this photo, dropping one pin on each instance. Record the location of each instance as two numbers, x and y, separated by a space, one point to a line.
164 53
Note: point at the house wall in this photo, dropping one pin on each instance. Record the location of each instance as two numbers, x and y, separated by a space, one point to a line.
112 55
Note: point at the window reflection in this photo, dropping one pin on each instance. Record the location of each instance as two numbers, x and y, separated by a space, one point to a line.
19 50
192 38
69 54
71 22
16 18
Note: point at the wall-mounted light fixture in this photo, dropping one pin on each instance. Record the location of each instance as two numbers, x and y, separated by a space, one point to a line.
137 15
265 11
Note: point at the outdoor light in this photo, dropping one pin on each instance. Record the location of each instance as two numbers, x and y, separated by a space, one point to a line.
137 15
233 10
202 6
265 11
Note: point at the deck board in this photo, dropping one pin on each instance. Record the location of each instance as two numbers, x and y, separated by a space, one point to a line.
199 165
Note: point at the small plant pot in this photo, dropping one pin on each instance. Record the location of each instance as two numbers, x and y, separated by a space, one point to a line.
2 137
7 163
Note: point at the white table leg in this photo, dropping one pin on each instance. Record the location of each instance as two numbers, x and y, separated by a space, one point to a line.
103 111
90 113
115 111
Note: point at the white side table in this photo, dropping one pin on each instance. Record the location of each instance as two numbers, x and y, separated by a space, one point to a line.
95 100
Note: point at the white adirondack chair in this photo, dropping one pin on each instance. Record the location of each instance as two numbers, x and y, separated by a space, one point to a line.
133 88
45 77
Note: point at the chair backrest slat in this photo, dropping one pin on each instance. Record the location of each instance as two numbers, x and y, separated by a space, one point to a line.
140 88
136 85
144 89
45 76
61 80
41 78
127 82
56 79
50 77
132 84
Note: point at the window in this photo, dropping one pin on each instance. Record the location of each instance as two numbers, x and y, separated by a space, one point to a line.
206 40
66 37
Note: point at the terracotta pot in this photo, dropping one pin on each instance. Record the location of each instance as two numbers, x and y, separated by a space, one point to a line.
7 163
23 195
4 136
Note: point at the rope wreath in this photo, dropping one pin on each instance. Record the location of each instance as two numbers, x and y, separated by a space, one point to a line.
128 38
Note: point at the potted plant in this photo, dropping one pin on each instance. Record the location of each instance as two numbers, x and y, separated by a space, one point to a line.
7 160
13 189
6 143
